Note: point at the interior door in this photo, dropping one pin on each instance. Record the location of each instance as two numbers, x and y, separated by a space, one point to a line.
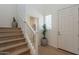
68 29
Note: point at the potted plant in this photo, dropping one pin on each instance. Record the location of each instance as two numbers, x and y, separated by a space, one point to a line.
44 41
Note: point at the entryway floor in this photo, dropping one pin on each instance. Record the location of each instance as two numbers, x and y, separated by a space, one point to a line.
48 50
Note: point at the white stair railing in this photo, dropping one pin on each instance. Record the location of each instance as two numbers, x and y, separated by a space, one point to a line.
33 35
30 35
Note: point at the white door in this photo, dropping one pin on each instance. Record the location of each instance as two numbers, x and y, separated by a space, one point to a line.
68 29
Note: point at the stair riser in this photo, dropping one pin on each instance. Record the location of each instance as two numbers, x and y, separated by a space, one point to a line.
11 43
10 33
10 40
11 37
15 48
10 28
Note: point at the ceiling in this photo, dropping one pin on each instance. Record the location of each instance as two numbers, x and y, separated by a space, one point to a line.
48 8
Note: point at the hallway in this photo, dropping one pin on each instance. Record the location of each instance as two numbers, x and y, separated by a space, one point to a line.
48 50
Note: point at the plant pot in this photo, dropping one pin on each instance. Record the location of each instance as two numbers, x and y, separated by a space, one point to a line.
44 42
14 25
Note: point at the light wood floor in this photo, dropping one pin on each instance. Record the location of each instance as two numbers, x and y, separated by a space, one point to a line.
48 50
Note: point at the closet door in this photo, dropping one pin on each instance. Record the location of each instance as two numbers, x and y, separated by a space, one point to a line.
68 29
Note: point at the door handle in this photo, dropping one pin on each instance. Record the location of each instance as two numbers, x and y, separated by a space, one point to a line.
58 32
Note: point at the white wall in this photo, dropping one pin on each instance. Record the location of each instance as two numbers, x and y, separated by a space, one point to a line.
52 34
6 13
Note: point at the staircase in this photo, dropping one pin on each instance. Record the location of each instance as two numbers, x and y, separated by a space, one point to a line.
12 42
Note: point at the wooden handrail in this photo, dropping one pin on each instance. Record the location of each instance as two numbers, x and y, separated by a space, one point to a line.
30 27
